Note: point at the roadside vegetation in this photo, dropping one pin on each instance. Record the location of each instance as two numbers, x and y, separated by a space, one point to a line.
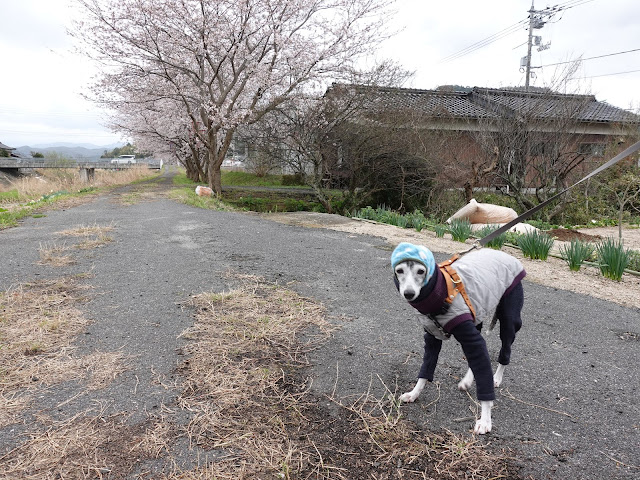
32 194
246 191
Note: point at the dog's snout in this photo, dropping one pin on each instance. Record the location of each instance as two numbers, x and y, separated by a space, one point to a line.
409 294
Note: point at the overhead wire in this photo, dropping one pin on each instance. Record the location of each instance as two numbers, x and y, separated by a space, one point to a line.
486 41
511 29
591 58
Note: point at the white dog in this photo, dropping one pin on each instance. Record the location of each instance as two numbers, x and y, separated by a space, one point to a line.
455 301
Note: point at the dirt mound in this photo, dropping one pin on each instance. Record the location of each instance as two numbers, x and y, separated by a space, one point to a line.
567 234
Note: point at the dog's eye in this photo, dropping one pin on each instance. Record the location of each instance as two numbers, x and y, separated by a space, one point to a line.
420 272
399 271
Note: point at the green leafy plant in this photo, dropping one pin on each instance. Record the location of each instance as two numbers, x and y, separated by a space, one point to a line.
535 244
495 243
613 258
575 253
460 229
440 230
634 260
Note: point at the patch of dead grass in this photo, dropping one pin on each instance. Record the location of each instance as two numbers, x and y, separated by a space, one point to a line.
38 323
94 236
89 445
248 398
54 254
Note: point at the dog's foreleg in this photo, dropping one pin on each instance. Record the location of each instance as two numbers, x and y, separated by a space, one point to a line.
415 393
467 381
484 424
497 377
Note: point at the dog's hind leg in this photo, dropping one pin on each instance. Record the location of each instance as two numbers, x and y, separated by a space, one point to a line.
467 381
497 377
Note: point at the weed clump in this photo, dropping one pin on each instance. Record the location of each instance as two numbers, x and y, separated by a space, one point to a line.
613 258
535 245
575 253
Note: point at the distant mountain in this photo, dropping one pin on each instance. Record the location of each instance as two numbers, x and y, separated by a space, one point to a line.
89 146
75 152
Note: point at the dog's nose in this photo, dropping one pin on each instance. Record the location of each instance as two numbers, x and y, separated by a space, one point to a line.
409 294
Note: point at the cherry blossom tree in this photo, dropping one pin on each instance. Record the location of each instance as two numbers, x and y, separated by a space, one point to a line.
227 63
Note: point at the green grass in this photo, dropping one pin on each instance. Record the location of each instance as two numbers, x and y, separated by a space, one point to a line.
180 179
241 179
10 219
9 196
247 179
188 197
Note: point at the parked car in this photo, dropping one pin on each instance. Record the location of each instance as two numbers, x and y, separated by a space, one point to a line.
125 159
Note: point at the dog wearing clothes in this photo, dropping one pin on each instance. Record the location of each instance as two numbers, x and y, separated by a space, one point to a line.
492 289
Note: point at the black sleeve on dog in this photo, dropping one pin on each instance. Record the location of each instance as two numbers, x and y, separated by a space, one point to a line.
432 348
475 349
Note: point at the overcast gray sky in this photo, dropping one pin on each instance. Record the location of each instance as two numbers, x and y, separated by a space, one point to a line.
41 80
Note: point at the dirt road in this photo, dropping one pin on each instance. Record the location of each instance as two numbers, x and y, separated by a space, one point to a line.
568 407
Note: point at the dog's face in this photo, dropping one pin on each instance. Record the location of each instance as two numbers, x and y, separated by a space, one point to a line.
411 276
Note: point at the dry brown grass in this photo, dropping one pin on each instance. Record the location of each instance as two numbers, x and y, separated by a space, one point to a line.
54 254
248 397
38 322
94 236
51 180
89 445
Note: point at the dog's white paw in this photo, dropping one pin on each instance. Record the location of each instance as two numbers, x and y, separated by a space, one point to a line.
497 377
409 397
466 382
482 426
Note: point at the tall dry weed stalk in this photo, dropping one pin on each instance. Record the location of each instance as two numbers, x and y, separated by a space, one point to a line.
51 180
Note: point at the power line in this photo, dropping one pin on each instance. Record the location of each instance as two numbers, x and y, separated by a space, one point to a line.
612 74
512 29
591 58
487 41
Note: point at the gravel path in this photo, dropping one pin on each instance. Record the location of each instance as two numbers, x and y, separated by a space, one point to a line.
568 407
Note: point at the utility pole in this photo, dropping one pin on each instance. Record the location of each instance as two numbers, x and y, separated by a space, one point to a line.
535 22
529 43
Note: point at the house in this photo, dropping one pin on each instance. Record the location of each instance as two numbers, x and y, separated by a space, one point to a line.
499 137
6 151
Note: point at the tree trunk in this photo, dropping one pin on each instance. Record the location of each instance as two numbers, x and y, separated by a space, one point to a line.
620 215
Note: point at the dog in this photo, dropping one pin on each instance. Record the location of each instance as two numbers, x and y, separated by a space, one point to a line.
454 298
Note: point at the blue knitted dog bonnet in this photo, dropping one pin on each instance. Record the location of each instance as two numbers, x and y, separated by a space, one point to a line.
417 253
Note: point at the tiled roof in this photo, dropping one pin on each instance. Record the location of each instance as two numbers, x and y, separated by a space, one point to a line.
547 105
491 103
429 102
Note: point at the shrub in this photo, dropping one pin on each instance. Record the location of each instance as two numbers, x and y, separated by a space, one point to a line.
290 180
576 253
613 258
495 243
460 229
634 261
535 245
295 205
